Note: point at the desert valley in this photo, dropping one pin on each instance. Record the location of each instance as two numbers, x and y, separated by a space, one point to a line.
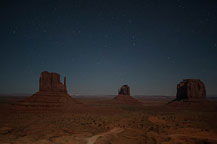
51 116
108 72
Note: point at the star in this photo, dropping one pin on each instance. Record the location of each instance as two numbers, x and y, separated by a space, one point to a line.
134 44
13 31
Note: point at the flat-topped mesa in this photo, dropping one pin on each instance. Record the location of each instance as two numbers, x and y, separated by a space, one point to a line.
50 81
124 90
191 89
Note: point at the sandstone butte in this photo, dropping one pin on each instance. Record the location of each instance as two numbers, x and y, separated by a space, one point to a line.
52 92
191 89
190 92
124 97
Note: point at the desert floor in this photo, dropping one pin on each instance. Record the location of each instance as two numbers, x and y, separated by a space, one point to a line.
99 121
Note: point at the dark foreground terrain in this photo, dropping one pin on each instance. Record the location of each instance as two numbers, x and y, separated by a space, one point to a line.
100 121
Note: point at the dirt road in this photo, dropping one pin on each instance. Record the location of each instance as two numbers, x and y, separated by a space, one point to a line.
113 131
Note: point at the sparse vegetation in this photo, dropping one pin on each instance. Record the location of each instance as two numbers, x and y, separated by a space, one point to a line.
137 124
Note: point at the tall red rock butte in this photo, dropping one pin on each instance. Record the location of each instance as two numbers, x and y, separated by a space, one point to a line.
124 90
191 89
50 82
124 97
51 92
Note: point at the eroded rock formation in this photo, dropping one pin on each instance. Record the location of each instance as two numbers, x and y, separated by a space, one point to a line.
51 82
124 97
52 92
124 90
191 89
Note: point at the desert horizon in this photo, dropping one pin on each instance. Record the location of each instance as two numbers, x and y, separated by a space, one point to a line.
108 72
55 117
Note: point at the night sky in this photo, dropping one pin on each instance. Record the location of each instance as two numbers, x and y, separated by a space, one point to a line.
99 45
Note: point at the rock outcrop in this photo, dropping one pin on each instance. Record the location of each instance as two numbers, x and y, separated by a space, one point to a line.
51 82
124 97
191 89
124 90
190 93
52 93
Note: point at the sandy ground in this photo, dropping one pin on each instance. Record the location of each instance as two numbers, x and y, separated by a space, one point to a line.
98 121
113 131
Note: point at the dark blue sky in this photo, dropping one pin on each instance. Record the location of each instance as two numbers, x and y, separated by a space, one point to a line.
151 45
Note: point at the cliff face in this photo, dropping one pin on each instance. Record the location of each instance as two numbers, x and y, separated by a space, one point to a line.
191 89
124 90
51 82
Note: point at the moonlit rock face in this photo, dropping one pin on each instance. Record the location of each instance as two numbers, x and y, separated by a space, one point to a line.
124 97
124 90
50 81
52 93
191 89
